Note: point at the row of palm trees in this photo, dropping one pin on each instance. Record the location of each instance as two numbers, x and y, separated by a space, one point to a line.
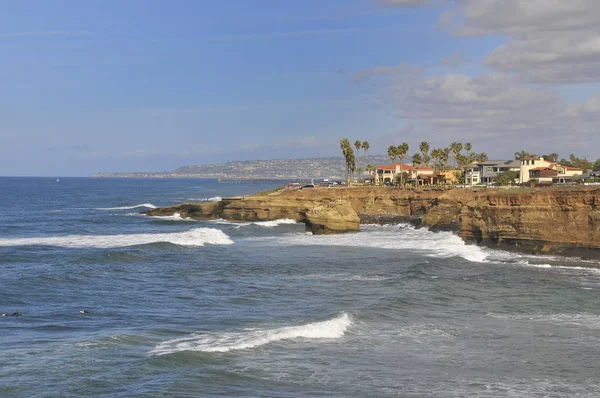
400 152
438 158
349 157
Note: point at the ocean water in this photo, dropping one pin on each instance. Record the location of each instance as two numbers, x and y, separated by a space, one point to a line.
188 309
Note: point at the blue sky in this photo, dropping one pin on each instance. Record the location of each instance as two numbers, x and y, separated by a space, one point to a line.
153 85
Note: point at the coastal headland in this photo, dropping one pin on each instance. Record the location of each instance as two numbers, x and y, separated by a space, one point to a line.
543 221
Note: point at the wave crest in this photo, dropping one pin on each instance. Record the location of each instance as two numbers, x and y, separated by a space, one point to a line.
224 342
147 205
193 237
174 217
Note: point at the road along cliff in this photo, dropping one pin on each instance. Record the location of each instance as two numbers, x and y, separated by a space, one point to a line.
552 221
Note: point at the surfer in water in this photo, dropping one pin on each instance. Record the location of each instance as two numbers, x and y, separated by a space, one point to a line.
84 311
16 313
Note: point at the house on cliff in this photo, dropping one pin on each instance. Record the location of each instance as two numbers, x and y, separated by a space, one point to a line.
387 173
540 170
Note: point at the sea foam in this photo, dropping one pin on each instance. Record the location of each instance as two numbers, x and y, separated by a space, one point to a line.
147 205
193 237
224 342
265 224
174 217
396 237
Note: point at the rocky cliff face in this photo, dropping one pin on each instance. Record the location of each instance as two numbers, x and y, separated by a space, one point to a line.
333 217
546 221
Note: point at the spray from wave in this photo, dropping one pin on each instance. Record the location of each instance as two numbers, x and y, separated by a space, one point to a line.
193 237
147 205
399 237
224 342
174 217
265 224
213 199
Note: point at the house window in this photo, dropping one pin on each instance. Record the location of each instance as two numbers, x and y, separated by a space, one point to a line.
533 162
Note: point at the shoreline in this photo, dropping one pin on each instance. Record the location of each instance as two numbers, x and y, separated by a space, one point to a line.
547 221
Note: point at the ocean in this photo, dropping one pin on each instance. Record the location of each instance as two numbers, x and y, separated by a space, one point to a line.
190 309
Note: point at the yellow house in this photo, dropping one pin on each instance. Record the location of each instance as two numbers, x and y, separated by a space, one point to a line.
528 164
542 170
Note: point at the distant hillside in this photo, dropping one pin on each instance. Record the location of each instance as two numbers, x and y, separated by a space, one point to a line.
332 167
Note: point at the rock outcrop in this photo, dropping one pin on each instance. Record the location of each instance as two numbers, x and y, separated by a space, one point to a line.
547 220
332 217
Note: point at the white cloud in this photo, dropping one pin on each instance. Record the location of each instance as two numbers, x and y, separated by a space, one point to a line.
554 57
551 41
496 112
518 17
453 61
548 43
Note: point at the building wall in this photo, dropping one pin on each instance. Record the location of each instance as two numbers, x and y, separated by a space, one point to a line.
528 164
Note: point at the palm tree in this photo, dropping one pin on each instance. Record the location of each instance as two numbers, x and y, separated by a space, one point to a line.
365 147
456 147
525 154
436 154
346 151
402 151
482 157
417 160
424 148
357 145
444 157
552 157
392 152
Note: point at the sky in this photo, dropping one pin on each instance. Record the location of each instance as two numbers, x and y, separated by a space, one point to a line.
145 85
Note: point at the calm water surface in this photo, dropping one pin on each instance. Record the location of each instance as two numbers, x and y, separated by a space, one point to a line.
185 308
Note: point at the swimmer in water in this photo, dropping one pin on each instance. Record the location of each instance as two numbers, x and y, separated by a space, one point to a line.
84 311
16 313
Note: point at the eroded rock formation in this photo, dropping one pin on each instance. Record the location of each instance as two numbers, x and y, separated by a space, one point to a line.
545 221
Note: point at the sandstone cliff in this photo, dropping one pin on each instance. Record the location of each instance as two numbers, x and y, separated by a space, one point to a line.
549 220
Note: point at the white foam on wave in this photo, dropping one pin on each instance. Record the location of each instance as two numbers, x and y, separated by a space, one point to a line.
274 223
265 224
398 237
174 217
213 199
147 205
193 237
224 342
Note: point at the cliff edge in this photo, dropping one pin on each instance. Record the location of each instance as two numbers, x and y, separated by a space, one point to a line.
549 220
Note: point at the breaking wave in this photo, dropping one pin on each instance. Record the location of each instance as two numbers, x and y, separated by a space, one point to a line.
265 224
213 199
275 223
147 205
402 237
174 217
193 237
224 342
